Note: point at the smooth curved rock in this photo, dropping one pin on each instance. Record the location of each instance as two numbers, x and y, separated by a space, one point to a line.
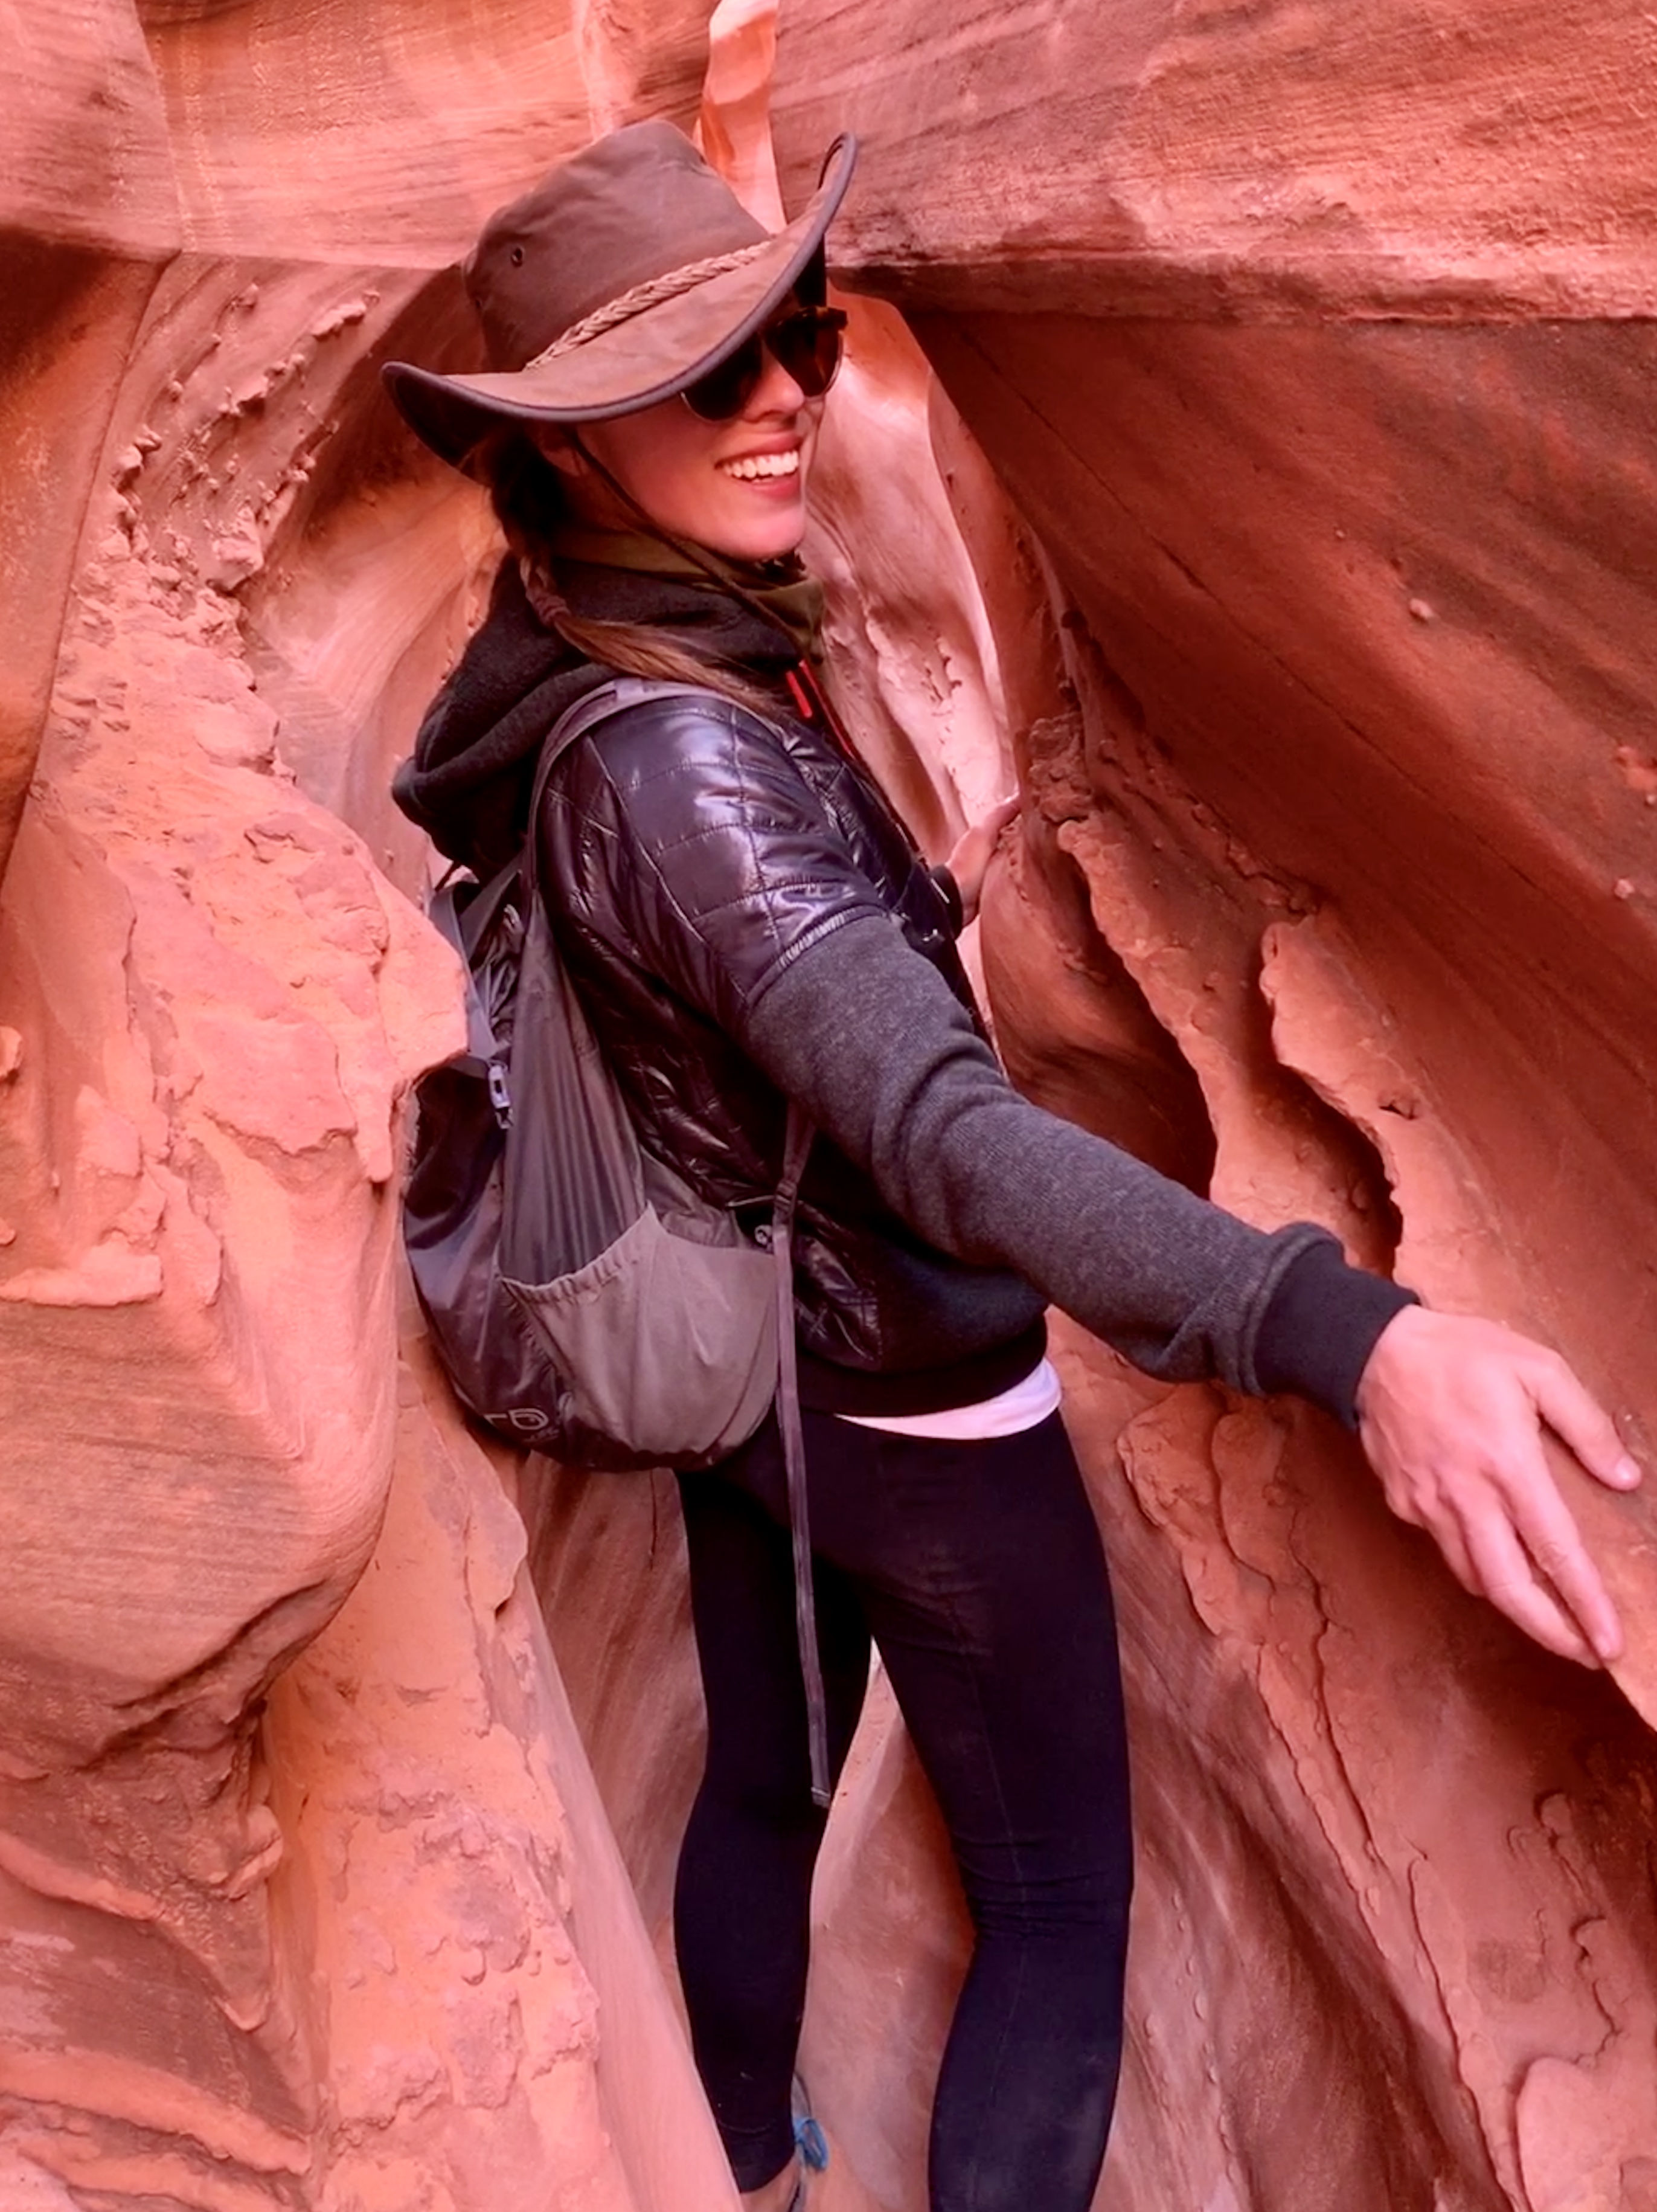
1338 718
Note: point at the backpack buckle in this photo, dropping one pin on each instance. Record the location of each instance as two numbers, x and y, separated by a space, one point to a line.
499 1094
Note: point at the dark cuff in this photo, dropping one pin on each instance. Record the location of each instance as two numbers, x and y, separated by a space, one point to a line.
1321 1327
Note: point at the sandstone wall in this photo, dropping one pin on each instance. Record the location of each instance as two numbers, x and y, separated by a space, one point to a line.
1308 345
1311 346
306 1896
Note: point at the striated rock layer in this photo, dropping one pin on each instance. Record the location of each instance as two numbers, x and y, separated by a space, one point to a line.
1308 346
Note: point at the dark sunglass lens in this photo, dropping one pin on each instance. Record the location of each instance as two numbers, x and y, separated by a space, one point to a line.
726 390
808 346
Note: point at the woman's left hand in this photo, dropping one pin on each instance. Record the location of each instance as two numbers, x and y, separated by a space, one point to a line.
969 862
1452 1412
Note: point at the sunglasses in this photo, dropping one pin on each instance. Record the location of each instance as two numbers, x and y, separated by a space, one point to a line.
806 342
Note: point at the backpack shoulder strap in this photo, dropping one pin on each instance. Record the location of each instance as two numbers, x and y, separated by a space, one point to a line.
797 1145
465 929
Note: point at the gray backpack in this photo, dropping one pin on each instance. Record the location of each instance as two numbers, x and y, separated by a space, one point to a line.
584 1299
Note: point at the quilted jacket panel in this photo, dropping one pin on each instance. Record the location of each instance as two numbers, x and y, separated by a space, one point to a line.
690 852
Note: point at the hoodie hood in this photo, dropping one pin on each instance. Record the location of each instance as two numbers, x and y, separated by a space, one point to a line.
468 781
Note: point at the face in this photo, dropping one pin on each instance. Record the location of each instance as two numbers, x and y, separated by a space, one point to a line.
736 486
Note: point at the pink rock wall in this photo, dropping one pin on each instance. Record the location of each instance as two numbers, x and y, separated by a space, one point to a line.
1406 157
1317 625
350 1932
1347 759
87 216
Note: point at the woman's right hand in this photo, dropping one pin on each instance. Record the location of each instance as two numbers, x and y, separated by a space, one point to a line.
969 862
1452 1412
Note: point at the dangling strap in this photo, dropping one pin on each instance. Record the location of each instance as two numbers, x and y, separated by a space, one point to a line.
597 707
796 1145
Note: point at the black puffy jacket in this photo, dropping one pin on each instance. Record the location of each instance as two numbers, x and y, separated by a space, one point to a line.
781 838
734 895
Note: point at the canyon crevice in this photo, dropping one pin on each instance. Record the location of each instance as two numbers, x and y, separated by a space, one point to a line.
1245 445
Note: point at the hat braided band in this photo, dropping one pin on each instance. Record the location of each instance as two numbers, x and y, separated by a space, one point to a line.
642 297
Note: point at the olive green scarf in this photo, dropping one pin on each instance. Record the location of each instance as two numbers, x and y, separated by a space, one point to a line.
781 589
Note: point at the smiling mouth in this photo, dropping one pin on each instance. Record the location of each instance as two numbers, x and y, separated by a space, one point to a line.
752 468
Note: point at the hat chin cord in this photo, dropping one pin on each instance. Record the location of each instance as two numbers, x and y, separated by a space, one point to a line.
710 564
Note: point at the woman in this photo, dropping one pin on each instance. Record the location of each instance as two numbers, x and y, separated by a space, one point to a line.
726 885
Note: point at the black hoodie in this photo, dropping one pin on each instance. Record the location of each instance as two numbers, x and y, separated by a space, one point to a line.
468 783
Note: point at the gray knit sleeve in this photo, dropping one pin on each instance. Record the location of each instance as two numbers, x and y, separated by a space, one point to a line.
871 1039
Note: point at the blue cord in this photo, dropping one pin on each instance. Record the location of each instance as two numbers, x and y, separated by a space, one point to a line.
811 2143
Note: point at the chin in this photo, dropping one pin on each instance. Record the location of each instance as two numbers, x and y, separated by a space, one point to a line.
773 544
779 548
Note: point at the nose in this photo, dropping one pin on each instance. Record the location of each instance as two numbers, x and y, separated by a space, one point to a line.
777 392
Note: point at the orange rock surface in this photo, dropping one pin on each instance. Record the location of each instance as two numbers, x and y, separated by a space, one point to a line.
1322 390
306 1895
1271 492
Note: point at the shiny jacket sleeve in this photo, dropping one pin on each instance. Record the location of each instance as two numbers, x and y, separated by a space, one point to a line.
723 870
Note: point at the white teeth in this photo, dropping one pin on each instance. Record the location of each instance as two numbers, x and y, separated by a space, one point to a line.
764 465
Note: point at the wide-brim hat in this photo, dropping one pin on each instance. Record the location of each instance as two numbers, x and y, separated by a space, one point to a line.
628 273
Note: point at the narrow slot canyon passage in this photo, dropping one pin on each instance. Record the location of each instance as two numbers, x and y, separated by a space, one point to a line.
1244 452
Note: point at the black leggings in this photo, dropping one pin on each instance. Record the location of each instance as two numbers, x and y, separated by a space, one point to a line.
978 1569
